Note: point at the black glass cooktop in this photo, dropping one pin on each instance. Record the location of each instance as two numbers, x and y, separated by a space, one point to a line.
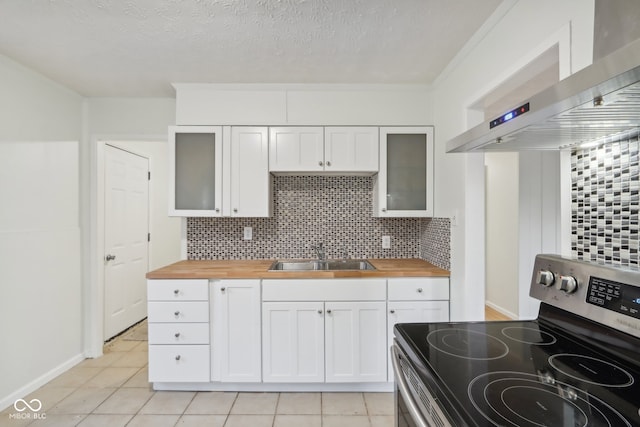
521 374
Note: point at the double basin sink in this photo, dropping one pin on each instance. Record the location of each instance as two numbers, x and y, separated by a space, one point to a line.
321 265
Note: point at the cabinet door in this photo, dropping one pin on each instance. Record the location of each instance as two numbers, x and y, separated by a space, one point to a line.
355 342
414 312
351 149
404 184
236 331
296 149
293 342
195 168
250 180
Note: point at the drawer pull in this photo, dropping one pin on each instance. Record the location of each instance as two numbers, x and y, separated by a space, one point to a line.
178 357
177 313
176 292
177 334
319 311
328 311
223 289
392 311
419 290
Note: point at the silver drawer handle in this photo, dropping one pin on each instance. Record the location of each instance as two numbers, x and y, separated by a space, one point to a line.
178 357
177 334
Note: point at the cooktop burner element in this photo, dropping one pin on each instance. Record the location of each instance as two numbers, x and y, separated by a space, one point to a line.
591 370
467 344
529 335
521 400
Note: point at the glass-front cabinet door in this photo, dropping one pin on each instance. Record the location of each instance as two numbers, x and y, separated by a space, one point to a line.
404 184
195 163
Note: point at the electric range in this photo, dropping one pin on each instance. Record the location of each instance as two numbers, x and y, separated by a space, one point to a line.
577 364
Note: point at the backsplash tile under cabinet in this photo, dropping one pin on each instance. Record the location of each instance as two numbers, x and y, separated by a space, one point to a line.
334 210
605 201
312 209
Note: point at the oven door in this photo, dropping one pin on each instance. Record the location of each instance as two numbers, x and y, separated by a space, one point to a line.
412 399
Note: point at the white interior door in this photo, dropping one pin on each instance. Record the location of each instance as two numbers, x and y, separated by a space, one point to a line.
126 239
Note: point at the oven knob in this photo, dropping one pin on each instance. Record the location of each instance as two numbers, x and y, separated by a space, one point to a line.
567 284
545 278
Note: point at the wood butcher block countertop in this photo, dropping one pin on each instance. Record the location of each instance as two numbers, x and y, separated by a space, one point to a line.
259 269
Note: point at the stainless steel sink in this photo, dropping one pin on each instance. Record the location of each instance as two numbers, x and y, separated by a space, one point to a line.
317 265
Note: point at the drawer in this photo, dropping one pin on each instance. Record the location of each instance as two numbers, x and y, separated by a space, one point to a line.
179 363
324 290
178 311
178 290
178 333
416 289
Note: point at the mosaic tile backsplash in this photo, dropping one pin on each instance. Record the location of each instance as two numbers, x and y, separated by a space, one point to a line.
604 203
334 210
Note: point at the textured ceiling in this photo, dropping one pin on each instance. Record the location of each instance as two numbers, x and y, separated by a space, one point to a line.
139 47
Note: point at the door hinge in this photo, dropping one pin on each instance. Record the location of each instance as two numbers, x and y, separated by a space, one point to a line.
148 237
149 176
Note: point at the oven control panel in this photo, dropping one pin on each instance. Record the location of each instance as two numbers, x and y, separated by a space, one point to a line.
605 294
619 297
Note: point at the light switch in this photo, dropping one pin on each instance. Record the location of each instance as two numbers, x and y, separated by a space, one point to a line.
248 233
386 242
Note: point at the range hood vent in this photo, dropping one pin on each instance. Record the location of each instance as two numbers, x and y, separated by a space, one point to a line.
598 103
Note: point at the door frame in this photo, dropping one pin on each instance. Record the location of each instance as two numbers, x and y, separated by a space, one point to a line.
93 298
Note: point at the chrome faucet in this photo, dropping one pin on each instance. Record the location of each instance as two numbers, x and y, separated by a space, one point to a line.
320 252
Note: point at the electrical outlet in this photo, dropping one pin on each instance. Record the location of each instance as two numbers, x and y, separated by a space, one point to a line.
248 233
454 218
386 242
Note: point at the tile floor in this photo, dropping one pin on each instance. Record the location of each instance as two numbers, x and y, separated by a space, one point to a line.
113 391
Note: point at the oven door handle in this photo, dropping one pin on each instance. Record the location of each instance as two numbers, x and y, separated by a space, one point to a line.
404 390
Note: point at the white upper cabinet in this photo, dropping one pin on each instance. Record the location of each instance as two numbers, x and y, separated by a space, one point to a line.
195 164
351 149
250 194
219 171
296 149
344 150
404 184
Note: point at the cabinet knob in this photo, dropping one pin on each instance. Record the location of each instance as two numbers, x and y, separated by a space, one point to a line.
319 311
177 334
320 163
218 210
328 163
178 357
392 311
235 210
109 257
383 209
419 290
177 313
328 311
176 291
223 289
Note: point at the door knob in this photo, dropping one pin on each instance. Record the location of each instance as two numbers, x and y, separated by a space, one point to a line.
110 257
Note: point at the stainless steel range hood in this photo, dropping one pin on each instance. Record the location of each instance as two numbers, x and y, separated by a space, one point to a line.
599 101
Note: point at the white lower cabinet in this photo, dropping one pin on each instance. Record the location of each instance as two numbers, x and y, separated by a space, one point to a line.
355 340
293 342
311 335
178 319
416 300
236 354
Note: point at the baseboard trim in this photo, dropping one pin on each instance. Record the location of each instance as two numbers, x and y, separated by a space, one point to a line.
9 400
501 310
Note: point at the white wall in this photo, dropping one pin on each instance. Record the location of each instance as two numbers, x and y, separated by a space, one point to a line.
40 243
518 30
502 231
